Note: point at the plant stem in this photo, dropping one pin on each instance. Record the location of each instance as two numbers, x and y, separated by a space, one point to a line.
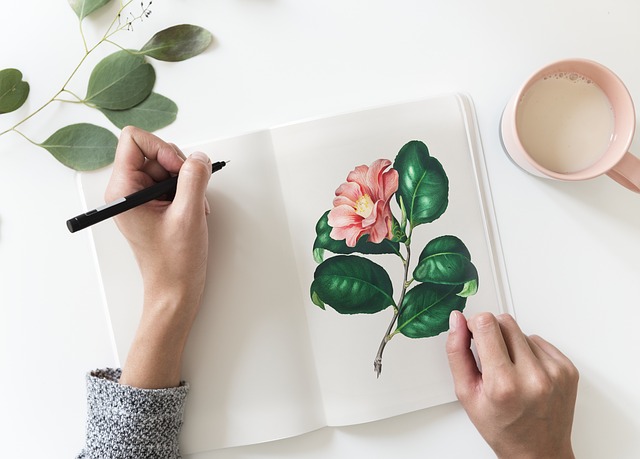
377 363
27 138
87 51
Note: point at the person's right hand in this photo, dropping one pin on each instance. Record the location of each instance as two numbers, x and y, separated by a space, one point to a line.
522 398
170 241
168 238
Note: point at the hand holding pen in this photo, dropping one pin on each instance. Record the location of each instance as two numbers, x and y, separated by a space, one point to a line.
166 188
170 241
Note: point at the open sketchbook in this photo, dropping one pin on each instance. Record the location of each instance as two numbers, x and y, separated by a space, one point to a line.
263 361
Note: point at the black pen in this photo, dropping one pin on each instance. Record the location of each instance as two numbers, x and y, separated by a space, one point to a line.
166 187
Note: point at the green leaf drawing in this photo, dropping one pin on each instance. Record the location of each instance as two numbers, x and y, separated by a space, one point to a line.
397 231
445 260
425 310
13 91
82 147
324 241
177 43
469 288
153 113
120 81
315 299
423 185
84 8
352 285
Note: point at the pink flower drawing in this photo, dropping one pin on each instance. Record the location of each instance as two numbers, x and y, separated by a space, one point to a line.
361 205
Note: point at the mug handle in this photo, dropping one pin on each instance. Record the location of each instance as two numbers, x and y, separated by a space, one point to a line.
627 172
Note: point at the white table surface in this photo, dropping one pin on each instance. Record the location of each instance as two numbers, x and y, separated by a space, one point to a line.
571 249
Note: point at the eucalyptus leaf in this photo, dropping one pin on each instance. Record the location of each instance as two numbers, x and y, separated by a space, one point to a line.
324 241
177 43
423 186
13 91
82 146
84 8
352 285
426 308
120 81
445 260
153 113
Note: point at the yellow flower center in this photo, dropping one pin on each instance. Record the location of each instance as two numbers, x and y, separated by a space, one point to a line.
364 206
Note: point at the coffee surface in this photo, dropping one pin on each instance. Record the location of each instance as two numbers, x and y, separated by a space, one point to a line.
565 122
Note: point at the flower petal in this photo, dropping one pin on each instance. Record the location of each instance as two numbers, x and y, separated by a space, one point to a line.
349 190
380 228
389 184
343 201
375 176
350 234
343 216
359 176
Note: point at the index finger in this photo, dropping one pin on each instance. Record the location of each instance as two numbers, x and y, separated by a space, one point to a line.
136 148
461 361
490 344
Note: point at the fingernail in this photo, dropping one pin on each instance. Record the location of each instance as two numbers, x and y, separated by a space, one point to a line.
453 320
198 155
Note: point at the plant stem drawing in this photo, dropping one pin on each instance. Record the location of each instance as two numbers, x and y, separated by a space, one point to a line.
362 221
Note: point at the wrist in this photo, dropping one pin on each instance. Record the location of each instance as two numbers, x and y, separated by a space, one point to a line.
155 357
561 453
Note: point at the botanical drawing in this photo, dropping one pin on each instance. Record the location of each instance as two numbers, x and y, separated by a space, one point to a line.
362 221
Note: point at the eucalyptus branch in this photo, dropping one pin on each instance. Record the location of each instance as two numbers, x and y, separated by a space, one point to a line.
24 136
78 98
84 40
87 51
120 82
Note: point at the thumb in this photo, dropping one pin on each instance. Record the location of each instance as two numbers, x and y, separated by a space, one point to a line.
461 360
192 183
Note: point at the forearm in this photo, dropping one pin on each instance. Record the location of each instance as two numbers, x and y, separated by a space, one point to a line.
155 356
513 453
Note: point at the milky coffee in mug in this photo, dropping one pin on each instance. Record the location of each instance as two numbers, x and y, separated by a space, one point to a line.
573 120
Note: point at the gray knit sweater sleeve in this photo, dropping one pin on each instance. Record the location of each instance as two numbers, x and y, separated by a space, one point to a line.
125 422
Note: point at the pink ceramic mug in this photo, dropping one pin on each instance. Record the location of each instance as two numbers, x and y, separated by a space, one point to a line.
572 120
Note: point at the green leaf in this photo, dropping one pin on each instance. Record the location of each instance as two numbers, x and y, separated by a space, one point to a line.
84 8
324 241
120 81
83 146
352 285
178 43
397 231
445 260
426 308
316 300
13 91
153 113
469 288
423 186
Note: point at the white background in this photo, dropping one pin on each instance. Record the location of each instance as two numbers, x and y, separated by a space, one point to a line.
571 249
